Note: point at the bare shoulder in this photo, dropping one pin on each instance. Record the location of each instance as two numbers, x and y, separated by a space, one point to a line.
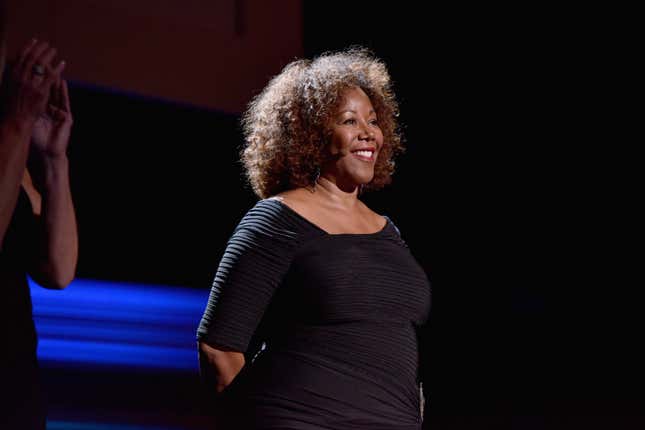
298 199
369 214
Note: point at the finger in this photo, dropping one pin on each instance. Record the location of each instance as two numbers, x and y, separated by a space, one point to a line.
29 63
65 95
60 95
43 62
58 69
55 73
30 60
46 58
57 113
24 53
55 94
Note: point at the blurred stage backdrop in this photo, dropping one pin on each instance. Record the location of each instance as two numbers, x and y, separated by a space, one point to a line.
157 89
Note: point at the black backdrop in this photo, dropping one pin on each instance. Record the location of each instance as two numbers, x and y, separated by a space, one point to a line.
473 85
158 190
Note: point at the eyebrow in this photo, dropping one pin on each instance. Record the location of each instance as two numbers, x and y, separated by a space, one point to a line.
353 111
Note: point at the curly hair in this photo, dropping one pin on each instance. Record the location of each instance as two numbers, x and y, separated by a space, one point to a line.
286 127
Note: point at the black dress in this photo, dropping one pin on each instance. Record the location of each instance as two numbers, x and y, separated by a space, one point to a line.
21 400
328 322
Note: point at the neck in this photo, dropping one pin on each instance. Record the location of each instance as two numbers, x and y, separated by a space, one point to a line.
330 192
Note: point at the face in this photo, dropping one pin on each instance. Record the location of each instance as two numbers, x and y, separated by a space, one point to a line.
355 142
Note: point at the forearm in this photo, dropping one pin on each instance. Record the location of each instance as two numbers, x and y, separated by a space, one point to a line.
219 368
14 149
55 266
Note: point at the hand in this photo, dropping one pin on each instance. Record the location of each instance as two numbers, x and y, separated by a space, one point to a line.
51 131
29 83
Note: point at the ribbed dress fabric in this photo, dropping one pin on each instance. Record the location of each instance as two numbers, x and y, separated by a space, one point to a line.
328 324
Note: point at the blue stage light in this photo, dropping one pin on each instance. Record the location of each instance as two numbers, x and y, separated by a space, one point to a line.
101 323
72 425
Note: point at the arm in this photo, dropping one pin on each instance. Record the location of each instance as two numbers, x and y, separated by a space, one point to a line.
56 251
257 257
219 367
23 101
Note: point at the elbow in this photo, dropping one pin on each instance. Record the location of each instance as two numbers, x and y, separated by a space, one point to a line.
53 279
61 278
53 283
60 283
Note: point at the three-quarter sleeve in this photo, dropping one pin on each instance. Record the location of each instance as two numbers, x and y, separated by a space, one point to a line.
256 258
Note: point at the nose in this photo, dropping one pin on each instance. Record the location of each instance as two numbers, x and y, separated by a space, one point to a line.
366 134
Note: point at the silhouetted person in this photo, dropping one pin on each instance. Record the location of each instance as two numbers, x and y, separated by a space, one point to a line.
37 222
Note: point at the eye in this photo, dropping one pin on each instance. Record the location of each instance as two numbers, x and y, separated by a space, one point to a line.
374 122
349 121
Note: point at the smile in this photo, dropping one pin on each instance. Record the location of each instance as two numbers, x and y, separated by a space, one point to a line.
365 155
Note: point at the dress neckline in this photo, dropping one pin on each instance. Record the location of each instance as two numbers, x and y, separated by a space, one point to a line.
326 233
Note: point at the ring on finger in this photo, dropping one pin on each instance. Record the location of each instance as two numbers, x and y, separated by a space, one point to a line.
38 70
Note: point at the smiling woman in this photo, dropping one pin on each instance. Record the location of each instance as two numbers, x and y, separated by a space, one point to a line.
288 126
313 317
355 142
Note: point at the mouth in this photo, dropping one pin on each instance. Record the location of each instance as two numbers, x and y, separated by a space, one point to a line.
365 154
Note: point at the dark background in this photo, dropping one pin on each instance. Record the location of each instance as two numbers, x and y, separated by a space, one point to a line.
496 196
159 199
158 190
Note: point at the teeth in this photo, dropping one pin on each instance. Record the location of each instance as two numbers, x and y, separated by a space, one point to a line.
367 154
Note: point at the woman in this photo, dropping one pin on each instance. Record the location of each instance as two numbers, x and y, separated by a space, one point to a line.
313 315
37 222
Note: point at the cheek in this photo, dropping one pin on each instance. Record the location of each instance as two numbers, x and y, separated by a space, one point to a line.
341 142
379 139
335 145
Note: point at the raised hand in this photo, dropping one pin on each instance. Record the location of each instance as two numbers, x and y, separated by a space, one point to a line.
29 83
51 130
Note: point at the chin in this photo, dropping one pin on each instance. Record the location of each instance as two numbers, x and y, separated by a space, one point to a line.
363 179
